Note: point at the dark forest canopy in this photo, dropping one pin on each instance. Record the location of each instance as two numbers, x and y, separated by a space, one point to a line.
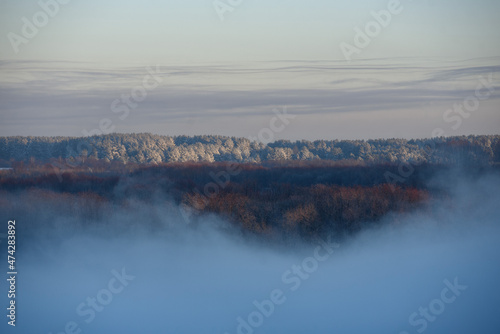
148 148
276 199
307 199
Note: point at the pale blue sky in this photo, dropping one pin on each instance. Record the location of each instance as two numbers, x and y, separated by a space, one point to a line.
177 31
225 77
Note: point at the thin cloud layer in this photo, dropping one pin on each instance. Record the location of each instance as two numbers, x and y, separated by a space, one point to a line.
42 98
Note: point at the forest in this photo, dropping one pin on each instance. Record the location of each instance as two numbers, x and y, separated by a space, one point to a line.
149 148
280 190
276 199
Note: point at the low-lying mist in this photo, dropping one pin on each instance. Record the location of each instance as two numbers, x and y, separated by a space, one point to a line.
148 270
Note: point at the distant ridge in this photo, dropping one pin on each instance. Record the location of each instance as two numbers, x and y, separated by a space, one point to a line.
148 148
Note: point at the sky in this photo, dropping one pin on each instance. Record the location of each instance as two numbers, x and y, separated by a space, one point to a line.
225 69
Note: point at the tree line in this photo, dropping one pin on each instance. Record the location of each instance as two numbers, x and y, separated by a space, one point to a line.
274 200
149 148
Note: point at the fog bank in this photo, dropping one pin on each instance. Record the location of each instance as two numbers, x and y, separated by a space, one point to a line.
434 272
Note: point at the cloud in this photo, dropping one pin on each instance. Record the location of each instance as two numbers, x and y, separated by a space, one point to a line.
76 95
